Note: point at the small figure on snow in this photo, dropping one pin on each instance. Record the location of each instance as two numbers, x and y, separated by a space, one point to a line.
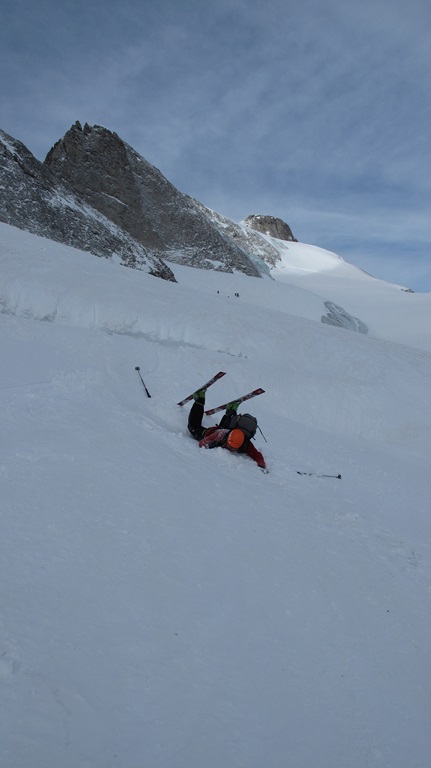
228 434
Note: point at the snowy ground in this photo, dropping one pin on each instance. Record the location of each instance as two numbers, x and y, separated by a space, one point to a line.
169 607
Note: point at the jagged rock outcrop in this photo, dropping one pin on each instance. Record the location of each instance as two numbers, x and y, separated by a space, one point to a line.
257 248
110 176
33 198
270 225
94 192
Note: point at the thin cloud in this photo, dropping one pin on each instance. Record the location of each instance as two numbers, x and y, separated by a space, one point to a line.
320 108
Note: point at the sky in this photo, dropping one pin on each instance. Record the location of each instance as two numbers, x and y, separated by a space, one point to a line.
166 606
317 112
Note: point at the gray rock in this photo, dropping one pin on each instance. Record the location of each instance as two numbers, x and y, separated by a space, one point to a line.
33 198
338 316
270 225
257 248
115 180
94 192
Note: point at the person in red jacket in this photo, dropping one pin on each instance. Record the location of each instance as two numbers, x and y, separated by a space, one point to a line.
221 436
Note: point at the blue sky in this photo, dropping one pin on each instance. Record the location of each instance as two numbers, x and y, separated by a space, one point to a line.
316 111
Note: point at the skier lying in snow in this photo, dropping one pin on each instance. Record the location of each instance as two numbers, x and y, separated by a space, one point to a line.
223 435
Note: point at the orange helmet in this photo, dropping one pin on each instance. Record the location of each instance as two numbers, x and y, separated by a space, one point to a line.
235 439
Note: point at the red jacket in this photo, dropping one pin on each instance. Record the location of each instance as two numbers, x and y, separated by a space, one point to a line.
215 437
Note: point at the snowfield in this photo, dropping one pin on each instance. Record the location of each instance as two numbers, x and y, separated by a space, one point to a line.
170 607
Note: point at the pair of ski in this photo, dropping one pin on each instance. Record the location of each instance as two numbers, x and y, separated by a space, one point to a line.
248 396
223 407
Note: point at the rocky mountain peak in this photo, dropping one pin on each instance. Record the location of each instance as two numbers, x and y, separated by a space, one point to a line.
101 169
115 180
96 193
34 198
270 225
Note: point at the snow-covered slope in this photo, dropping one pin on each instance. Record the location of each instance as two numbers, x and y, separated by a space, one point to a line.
166 606
390 311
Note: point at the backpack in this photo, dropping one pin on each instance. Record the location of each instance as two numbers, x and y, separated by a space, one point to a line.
247 423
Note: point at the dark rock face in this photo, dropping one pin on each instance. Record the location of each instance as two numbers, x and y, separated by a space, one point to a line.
270 225
95 163
33 198
94 192
110 176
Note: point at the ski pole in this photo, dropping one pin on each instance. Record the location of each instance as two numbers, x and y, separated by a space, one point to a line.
317 474
262 433
137 368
